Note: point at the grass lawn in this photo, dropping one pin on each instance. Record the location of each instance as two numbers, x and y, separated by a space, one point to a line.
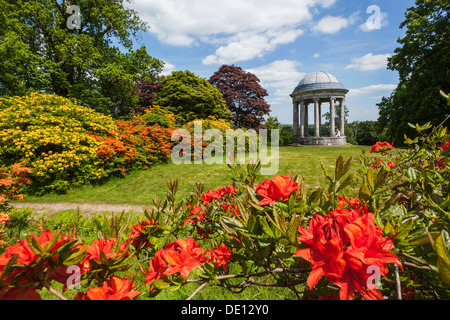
140 187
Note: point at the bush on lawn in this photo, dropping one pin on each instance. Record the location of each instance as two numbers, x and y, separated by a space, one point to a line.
65 144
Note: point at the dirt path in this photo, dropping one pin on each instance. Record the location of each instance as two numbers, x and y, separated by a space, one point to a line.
85 208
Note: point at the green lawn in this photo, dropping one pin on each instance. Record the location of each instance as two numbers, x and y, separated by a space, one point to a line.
140 187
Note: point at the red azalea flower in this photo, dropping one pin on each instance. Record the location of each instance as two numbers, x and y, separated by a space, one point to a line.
220 256
197 214
113 289
183 256
137 236
342 245
158 267
280 188
445 146
94 250
381 147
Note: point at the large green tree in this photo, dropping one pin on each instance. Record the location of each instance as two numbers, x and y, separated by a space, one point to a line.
422 62
190 97
80 49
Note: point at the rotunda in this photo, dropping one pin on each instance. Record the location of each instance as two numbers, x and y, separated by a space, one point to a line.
317 88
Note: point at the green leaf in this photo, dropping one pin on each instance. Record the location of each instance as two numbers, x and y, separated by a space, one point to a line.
441 246
364 193
346 182
292 230
161 284
266 228
34 244
339 167
371 179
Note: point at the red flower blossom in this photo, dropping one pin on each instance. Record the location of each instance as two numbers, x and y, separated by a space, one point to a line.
342 245
280 188
138 237
445 146
381 147
158 267
94 250
197 214
220 256
183 256
113 289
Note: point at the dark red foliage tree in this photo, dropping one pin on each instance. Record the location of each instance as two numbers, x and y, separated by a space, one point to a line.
243 95
146 91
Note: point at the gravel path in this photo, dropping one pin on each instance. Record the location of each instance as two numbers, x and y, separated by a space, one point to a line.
85 208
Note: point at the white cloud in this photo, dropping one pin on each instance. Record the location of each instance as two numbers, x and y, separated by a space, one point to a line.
371 90
331 24
248 45
281 77
243 29
369 62
168 68
316 55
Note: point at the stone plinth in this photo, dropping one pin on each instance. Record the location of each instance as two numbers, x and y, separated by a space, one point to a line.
321 141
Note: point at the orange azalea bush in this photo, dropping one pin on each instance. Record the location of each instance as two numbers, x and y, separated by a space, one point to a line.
65 144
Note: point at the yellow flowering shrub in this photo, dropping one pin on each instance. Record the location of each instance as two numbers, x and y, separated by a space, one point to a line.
51 134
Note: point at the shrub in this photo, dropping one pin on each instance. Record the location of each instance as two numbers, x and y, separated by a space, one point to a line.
66 145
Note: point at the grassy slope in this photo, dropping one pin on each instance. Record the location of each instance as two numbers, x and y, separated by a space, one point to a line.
140 187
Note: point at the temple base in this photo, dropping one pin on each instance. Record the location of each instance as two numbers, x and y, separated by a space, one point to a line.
321 141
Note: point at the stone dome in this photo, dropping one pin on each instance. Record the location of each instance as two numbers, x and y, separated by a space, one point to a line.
318 81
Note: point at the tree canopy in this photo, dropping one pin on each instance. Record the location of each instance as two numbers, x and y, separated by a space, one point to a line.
50 46
422 62
243 95
190 97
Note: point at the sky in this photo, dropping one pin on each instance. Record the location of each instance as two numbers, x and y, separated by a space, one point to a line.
281 42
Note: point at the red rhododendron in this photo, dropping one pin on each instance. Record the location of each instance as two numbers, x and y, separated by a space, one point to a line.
218 194
27 257
180 256
220 256
183 256
381 147
138 237
94 250
342 245
280 188
445 146
197 214
113 289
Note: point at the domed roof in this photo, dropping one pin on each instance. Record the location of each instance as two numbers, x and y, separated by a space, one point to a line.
318 81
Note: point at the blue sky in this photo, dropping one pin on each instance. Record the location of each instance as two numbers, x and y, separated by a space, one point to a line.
281 41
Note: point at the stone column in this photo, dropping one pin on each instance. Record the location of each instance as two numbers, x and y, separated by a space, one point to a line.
342 117
306 126
320 118
332 117
296 125
316 118
302 119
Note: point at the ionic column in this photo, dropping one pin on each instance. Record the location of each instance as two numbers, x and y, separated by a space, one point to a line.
332 117
320 118
342 116
306 126
296 126
302 119
316 118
